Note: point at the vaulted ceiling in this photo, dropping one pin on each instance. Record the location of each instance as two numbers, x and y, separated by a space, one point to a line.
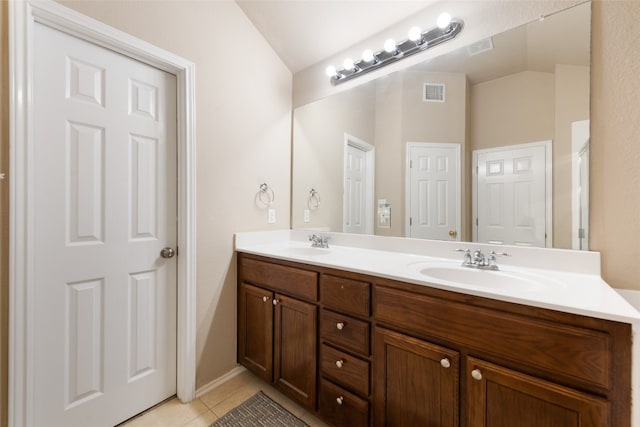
304 32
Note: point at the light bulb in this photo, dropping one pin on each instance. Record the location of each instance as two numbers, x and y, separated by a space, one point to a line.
367 55
444 20
348 64
390 45
331 71
415 34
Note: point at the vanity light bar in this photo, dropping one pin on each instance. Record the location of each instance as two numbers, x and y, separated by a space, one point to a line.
418 41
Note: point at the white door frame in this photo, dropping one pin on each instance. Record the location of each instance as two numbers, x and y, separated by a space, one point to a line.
350 140
407 183
22 18
579 146
548 186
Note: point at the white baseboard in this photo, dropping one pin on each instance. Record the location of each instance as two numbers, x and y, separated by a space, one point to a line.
221 380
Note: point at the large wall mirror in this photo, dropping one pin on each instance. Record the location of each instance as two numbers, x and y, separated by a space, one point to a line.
489 143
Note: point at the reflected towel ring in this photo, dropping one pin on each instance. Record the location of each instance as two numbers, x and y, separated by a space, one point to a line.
314 200
266 195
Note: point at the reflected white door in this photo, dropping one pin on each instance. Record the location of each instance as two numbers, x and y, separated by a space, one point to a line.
105 197
434 191
358 186
512 194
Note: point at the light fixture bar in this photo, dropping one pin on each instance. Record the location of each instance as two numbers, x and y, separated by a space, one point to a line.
405 48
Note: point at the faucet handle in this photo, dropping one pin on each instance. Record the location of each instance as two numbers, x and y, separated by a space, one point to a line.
494 253
467 251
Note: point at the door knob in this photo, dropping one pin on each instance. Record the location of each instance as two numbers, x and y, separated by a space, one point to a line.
453 233
167 253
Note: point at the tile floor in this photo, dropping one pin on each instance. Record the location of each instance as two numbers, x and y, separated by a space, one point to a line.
204 410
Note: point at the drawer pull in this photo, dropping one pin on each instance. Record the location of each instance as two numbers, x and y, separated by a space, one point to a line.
476 374
265 299
339 400
445 363
339 363
275 301
340 326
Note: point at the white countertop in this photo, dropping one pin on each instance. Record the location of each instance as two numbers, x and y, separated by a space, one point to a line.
569 280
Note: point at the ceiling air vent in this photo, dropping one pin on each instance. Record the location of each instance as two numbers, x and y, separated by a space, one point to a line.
433 92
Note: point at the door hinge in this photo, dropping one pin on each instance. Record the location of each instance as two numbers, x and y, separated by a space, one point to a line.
476 222
410 221
410 164
580 233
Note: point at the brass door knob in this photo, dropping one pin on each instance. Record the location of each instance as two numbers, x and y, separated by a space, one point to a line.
453 233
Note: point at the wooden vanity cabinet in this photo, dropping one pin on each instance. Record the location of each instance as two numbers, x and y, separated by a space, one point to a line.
518 365
497 396
277 330
416 382
363 351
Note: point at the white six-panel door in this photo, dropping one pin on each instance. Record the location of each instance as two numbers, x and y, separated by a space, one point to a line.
105 196
359 158
433 193
354 187
512 195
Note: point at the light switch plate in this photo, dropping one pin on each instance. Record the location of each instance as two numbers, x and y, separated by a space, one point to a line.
271 217
307 215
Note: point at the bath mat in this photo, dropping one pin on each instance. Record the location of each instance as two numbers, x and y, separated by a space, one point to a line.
261 411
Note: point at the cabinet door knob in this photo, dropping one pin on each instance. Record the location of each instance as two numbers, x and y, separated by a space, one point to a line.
445 363
339 400
340 326
339 363
476 374
275 301
265 299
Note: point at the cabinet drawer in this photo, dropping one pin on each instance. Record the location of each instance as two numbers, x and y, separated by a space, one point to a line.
345 369
344 331
346 295
341 408
560 350
288 280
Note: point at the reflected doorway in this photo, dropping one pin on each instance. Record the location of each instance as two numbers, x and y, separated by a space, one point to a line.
512 195
359 160
433 191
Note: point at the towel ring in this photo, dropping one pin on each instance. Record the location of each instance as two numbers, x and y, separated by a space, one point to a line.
266 194
313 202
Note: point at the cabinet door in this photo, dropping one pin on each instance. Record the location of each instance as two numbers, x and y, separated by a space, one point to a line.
500 397
415 383
255 330
295 349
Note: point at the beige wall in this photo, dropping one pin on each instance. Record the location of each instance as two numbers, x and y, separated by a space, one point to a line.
516 109
389 155
615 147
4 210
318 129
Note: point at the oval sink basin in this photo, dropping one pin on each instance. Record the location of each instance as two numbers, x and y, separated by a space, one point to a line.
502 280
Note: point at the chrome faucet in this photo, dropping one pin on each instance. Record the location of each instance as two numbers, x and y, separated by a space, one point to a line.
479 260
319 241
